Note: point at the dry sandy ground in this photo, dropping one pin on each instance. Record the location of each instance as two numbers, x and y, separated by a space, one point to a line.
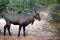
28 38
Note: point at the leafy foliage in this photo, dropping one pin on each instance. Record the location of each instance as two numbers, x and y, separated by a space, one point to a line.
56 16
24 5
3 5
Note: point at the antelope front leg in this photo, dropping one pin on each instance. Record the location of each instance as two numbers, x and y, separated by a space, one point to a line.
24 31
19 30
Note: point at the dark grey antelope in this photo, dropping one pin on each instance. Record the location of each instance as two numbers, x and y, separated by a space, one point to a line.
21 19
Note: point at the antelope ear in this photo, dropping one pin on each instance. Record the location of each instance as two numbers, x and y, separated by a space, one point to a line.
36 11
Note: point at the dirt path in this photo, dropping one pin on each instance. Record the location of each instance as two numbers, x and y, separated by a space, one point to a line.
28 38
